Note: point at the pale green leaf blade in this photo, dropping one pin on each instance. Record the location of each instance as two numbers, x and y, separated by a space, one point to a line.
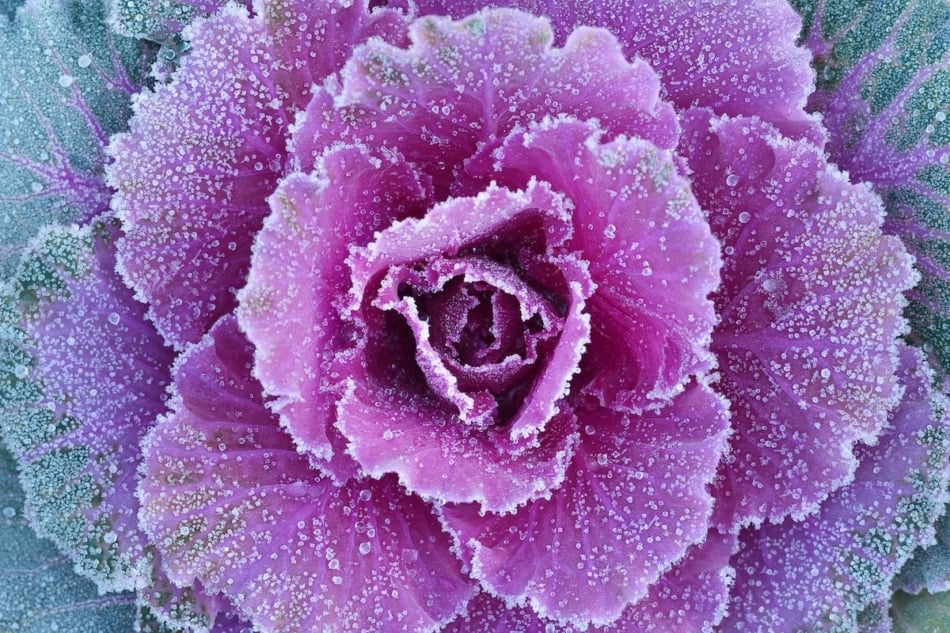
65 86
39 592
924 613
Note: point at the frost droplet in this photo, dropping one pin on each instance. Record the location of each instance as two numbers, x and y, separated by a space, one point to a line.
84 61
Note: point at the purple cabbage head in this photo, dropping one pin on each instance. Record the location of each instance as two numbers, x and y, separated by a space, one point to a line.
520 318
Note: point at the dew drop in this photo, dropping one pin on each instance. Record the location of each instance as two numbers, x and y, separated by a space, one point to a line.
602 459
744 217
365 547
337 580
9 512
366 495
732 180
113 318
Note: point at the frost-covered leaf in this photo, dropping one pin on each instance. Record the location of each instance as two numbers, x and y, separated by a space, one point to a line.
156 20
929 569
690 597
218 131
83 378
884 91
738 59
833 570
228 500
66 87
9 7
579 557
39 592
810 311
924 613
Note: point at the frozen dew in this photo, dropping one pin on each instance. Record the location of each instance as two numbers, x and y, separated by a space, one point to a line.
66 80
84 61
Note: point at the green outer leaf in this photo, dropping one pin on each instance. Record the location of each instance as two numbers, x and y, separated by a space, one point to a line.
66 86
924 613
58 483
9 7
156 20
39 592
884 92
929 569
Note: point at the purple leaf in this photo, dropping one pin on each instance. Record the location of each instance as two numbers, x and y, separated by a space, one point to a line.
294 291
229 502
809 308
579 557
833 564
650 251
736 62
77 405
692 596
217 135
449 100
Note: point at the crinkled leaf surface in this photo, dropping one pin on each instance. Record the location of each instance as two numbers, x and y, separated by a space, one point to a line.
156 19
925 613
929 569
83 378
884 91
9 7
66 86
38 589
833 570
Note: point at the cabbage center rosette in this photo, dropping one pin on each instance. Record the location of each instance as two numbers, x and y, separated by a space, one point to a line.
522 342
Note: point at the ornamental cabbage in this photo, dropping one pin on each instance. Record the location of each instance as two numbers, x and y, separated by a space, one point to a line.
446 317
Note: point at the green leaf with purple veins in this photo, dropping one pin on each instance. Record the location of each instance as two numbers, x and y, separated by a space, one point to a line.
884 91
66 86
39 592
